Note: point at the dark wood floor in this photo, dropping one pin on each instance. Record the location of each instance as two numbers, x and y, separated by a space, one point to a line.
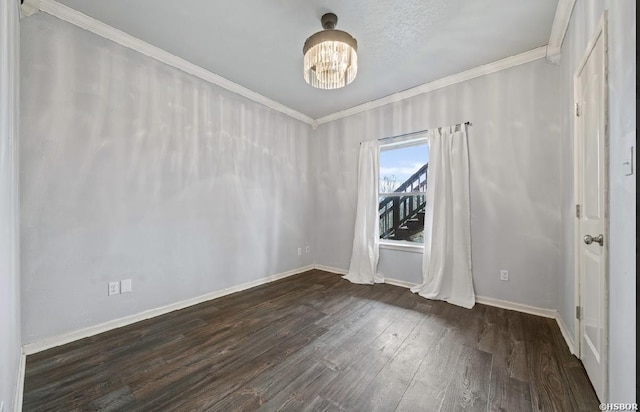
316 342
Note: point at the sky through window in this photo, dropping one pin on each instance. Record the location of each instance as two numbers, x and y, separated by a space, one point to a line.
397 165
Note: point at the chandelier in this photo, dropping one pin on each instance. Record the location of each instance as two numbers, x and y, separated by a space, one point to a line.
330 56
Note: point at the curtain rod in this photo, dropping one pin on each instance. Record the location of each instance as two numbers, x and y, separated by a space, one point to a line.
413 133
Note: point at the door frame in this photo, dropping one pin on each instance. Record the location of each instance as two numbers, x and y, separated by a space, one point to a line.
600 31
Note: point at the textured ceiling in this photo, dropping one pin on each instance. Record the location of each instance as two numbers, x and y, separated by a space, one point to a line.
401 44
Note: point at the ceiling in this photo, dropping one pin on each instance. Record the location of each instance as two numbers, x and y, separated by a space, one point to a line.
401 44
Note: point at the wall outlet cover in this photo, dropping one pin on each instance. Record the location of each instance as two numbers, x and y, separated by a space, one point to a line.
504 274
126 286
114 288
299 251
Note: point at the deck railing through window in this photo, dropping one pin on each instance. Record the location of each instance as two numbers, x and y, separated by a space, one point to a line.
397 210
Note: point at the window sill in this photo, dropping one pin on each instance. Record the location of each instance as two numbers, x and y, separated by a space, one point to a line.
403 246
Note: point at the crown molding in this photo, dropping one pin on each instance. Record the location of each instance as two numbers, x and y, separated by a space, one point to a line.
559 29
29 7
83 21
496 66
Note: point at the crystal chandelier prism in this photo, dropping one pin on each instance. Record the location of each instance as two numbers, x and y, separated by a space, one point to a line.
330 56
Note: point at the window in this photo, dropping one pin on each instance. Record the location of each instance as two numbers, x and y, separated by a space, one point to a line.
402 190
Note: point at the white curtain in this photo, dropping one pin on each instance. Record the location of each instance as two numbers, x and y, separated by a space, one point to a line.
446 264
366 236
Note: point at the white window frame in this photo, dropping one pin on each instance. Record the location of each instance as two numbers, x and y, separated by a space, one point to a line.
398 143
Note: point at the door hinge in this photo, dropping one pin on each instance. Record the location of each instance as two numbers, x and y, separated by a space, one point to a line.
578 109
578 211
578 312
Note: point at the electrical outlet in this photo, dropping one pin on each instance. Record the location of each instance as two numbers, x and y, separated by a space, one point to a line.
126 286
504 274
307 249
299 251
114 288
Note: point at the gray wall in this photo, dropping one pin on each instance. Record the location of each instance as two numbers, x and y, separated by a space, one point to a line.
131 169
622 195
9 254
515 184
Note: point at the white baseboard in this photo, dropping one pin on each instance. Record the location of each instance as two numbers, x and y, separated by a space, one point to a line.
532 310
69 337
48 343
518 307
17 405
504 304
331 269
398 282
568 337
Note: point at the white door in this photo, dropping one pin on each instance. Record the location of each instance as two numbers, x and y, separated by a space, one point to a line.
591 129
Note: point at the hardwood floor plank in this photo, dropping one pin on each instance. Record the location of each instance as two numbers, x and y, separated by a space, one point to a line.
355 304
518 355
545 379
385 391
215 358
302 391
347 325
503 338
509 387
113 401
368 356
316 342
573 372
436 372
319 404
255 392
469 390
207 394
508 394
580 387
385 330
343 333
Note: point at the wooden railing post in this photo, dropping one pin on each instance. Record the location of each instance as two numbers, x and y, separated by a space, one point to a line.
396 212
